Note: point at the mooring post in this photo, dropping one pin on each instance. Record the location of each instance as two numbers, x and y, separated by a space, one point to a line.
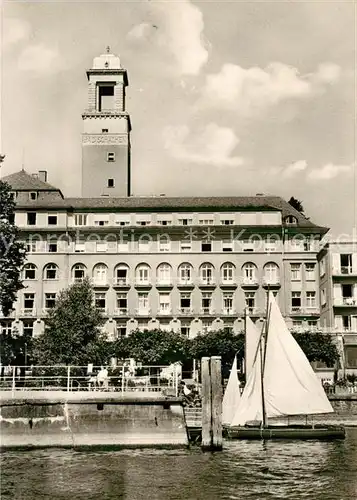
216 397
206 404
13 378
68 378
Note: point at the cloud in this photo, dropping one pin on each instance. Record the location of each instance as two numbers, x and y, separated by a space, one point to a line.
14 30
329 171
294 168
39 59
251 91
214 145
178 30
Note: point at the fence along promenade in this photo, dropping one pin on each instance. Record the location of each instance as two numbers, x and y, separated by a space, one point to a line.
121 378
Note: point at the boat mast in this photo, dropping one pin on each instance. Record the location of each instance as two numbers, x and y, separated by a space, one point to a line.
245 344
262 357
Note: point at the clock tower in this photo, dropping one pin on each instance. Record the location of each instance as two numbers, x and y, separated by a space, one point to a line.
106 131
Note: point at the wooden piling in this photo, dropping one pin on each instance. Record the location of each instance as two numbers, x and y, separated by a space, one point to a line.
211 403
206 404
216 402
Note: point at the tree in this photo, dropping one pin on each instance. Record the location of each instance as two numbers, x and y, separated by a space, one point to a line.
153 347
15 349
318 346
12 251
297 204
72 333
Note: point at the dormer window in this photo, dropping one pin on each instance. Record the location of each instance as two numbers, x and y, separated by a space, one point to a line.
33 195
290 220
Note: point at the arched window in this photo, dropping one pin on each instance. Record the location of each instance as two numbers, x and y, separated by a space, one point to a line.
29 272
207 273
50 272
227 272
271 273
249 272
185 273
290 220
121 274
100 274
78 272
142 274
163 273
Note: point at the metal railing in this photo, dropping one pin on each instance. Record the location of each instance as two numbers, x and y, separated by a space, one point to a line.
120 378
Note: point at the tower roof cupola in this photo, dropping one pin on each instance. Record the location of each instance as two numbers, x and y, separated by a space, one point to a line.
107 61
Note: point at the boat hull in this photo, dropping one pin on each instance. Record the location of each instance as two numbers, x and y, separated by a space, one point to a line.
301 432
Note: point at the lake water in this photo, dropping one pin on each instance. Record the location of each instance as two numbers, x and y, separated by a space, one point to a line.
243 470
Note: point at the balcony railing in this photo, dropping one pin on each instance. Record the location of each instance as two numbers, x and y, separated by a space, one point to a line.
251 280
345 301
207 281
121 311
164 282
206 310
142 282
28 311
343 270
185 282
143 311
185 310
228 311
121 281
271 280
164 312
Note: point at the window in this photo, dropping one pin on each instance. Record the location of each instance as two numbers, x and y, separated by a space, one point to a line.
307 245
249 273
184 222
101 222
110 157
105 99
52 247
185 246
206 302
121 275
295 272
206 326
185 329
185 273
78 272
206 274
29 301
351 356
110 183
323 296
164 222
99 300
297 325
227 273
322 267
295 301
164 245
206 246
310 272
33 195
121 328
143 222
31 218
122 303
227 303
270 246
123 222
248 246
80 219
164 303
227 222
271 273
79 247
250 301
227 246
30 246
290 220
312 325
105 130
185 301
144 245
164 274
28 329
50 300
346 263
142 274
143 302
347 323
206 222
100 274
51 272
5 328
29 272
101 246
52 220
311 299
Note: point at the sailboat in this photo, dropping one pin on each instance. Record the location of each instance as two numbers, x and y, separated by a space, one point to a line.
281 382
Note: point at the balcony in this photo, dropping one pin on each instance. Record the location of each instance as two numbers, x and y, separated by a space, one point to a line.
188 283
121 311
121 283
100 283
249 282
206 311
29 312
9 316
228 283
164 312
143 311
271 282
186 311
345 301
305 311
164 283
344 271
207 283
228 311
140 283
254 311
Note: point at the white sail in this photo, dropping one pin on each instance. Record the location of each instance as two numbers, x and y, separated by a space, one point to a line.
250 404
252 336
291 386
231 395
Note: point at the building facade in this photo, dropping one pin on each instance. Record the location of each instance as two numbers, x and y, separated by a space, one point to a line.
181 264
338 296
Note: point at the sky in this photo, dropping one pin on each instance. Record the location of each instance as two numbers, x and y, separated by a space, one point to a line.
225 98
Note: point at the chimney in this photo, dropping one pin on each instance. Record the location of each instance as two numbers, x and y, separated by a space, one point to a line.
42 175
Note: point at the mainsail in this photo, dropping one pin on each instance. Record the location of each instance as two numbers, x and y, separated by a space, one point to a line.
252 336
291 386
231 395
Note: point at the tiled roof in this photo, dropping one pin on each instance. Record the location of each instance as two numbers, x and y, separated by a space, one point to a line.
22 181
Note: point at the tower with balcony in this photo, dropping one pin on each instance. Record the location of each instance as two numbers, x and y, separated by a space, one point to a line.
106 130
